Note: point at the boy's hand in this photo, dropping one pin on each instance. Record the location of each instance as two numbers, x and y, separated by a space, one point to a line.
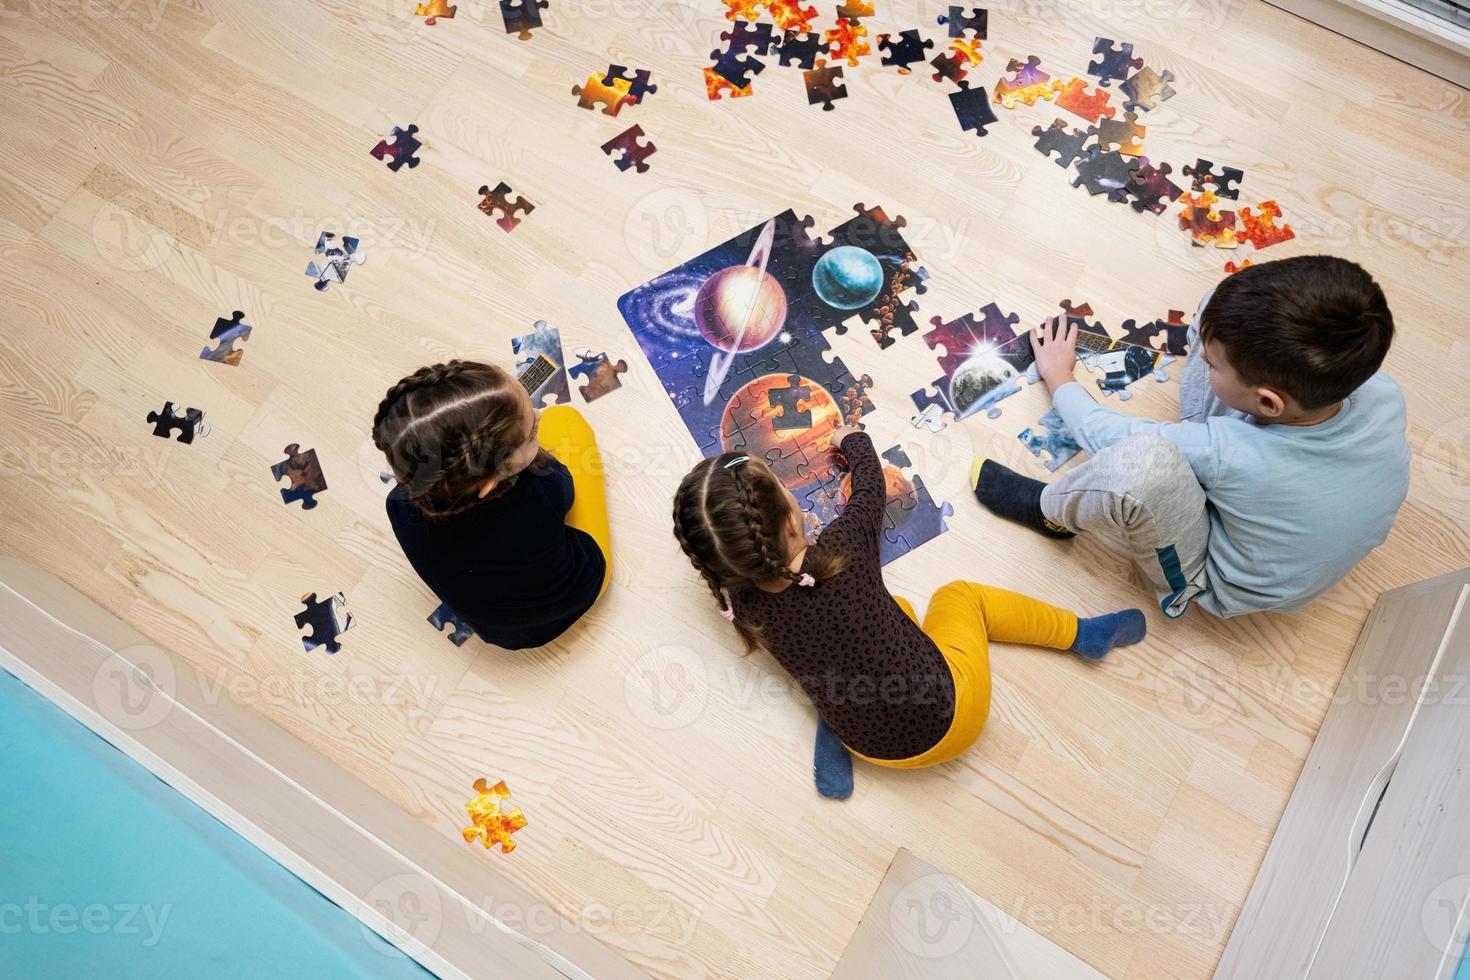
1055 345
841 433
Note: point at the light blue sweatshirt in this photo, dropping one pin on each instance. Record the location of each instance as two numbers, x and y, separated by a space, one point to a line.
1292 508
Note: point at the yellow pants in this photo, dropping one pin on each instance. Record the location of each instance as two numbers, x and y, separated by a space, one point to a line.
567 436
961 620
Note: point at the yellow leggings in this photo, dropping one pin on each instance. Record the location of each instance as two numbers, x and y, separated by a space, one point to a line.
567 436
961 620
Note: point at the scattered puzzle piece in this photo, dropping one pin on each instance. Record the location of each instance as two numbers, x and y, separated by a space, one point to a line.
1113 64
631 153
305 474
601 374
853 9
1231 268
401 150
327 620
1050 435
1105 173
1223 183
337 260
800 48
972 109
1206 225
960 24
228 332
790 15
499 200
1124 135
459 630
755 38
188 425
846 41
611 97
931 418
1056 139
1146 89
1074 98
1150 187
433 10
909 48
736 68
1262 231
540 365
1027 84
522 16
492 820
823 84
638 85
714 84
749 9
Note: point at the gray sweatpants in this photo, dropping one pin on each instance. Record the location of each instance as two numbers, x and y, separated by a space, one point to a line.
1143 489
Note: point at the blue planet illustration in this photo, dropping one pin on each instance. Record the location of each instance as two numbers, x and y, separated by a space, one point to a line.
848 277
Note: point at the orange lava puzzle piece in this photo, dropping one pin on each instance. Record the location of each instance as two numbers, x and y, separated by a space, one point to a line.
1206 225
1262 231
715 83
846 41
493 823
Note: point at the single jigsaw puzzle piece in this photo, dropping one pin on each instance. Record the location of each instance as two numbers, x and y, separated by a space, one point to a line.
855 9
499 200
188 425
601 374
612 97
1050 435
845 41
790 15
492 821
401 151
1056 139
1123 364
540 365
736 68
637 83
1074 98
1169 336
715 83
1123 135
327 619
228 333
1261 230
909 48
337 259
973 24
752 38
824 84
1222 184
1105 173
433 10
1026 84
855 402
1146 89
631 153
1206 224
1113 63
800 48
459 630
522 16
1151 189
1231 268
972 108
748 9
931 418
305 474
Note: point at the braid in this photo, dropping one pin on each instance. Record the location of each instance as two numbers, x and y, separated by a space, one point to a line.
768 544
710 579
424 377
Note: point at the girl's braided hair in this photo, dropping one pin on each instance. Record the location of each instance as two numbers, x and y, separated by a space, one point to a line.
448 428
729 515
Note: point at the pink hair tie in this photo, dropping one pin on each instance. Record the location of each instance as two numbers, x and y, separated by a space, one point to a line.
729 614
806 581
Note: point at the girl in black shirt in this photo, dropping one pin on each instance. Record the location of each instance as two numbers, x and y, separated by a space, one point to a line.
500 508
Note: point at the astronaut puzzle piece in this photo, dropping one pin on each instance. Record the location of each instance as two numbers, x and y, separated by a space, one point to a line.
337 259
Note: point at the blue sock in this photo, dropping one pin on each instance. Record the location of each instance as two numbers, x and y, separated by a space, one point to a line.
1097 635
832 764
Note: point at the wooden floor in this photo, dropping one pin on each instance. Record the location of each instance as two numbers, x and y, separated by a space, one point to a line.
166 164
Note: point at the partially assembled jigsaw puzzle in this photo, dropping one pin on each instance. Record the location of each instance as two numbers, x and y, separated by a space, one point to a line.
910 515
737 337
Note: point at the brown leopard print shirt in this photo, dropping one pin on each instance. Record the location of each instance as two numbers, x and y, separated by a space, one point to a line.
877 680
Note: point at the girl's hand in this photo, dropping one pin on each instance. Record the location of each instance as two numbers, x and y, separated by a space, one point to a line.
841 433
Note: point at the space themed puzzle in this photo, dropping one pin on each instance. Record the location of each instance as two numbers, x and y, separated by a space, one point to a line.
736 337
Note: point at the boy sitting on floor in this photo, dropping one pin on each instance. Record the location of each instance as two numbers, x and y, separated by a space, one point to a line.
1288 463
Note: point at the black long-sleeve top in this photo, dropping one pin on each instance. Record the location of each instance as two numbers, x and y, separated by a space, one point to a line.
872 674
510 566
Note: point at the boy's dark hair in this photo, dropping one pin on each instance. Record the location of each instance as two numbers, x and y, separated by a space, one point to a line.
1314 326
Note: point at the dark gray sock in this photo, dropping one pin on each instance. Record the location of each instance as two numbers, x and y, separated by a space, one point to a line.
1008 494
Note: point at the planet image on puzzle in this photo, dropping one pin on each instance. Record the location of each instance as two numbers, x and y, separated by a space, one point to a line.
847 277
721 306
800 454
983 373
902 496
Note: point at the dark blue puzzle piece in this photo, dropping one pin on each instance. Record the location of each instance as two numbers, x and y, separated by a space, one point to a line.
459 632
